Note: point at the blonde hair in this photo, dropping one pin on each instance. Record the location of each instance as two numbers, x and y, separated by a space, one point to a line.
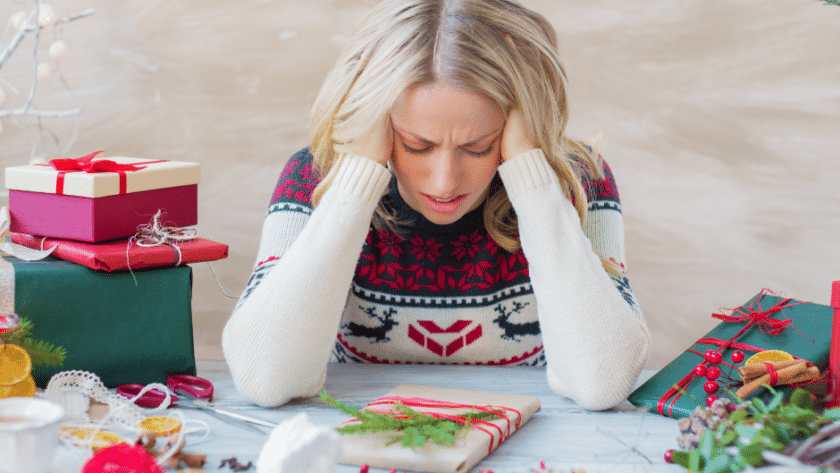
497 48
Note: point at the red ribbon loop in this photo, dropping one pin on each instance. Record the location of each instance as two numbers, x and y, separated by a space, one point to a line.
88 165
759 317
70 164
774 375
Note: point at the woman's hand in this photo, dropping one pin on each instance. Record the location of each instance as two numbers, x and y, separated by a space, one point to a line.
378 143
516 137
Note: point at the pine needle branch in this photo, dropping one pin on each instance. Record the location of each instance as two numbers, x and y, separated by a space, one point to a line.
40 352
414 428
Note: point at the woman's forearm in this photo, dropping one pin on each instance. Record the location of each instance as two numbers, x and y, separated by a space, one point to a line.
595 344
278 340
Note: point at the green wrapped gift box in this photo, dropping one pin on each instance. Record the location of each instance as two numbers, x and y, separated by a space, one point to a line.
766 322
122 331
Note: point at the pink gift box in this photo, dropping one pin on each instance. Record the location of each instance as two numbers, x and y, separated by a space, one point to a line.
100 204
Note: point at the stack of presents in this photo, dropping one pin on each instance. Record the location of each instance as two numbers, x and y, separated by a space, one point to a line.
119 302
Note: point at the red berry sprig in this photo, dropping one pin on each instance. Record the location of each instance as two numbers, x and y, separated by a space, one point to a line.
713 357
712 373
737 356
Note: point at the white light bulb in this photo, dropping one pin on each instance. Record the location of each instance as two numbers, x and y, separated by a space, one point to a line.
58 50
44 72
19 20
46 16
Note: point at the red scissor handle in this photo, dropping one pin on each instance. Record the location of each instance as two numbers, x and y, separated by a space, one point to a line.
151 398
195 386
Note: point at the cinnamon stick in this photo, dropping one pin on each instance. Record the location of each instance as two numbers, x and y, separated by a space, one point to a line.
784 375
754 371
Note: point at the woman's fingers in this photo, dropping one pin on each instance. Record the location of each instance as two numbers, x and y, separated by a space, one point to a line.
516 137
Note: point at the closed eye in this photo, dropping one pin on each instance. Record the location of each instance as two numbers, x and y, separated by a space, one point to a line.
415 150
479 154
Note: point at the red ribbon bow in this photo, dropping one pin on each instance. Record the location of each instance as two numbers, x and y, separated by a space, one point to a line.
752 317
87 164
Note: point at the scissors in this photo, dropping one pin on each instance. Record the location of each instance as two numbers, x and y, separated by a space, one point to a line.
192 389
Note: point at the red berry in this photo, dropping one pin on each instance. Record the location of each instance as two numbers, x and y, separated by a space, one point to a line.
700 370
737 356
669 456
711 387
711 400
712 373
713 357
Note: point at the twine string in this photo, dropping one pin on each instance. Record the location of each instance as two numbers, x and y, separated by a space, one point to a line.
156 234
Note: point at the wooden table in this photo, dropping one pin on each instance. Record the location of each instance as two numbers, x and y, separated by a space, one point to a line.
561 434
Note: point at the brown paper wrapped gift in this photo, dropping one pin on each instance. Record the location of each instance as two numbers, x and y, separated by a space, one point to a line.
373 449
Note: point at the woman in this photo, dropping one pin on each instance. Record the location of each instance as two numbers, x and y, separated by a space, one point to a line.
496 240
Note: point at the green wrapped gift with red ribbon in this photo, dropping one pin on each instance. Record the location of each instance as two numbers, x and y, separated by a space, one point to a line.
708 367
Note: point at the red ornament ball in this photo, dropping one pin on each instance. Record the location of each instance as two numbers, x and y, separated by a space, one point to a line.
712 373
713 357
700 370
711 387
737 356
669 456
711 400
121 458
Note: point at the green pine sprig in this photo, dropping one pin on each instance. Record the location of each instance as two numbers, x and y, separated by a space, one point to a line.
740 441
414 428
832 2
40 352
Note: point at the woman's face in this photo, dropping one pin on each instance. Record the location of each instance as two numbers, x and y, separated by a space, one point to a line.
446 149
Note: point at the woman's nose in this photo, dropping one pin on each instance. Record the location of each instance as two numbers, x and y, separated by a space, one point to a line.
444 174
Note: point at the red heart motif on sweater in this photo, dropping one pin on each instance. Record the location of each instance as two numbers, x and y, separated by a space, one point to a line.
422 333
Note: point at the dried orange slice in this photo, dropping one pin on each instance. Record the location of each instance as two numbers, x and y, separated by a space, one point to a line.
163 426
15 364
100 440
768 356
25 388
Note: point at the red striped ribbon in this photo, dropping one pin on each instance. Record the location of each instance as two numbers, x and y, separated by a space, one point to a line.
482 425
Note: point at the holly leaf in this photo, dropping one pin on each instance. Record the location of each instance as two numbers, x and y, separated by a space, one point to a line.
802 398
718 464
776 401
694 460
707 445
751 454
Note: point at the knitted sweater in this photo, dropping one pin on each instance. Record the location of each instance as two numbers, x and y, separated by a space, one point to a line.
327 286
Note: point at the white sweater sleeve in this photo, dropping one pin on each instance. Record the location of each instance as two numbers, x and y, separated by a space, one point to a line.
595 344
278 339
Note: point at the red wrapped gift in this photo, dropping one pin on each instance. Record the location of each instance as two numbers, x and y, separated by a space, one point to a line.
97 199
834 357
125 254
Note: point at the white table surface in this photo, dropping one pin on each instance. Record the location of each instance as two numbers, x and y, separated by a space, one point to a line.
561 434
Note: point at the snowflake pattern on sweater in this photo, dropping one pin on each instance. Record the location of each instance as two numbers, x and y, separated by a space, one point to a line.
431 293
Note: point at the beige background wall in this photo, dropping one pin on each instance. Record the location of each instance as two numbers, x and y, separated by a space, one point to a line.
722 118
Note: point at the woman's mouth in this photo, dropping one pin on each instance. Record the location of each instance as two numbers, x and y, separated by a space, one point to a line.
444 205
